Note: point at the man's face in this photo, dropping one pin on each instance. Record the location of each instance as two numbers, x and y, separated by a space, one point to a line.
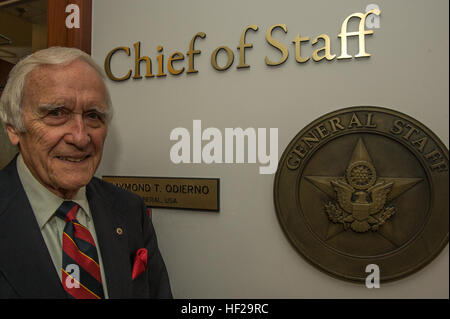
64 118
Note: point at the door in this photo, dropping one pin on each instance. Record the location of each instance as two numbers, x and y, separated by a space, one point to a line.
27 26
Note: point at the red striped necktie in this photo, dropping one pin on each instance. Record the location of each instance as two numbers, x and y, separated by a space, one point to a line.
80 267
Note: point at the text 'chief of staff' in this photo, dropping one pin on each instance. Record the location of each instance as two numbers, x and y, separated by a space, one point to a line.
63 232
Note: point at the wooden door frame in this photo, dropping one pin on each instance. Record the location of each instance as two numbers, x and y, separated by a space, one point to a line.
57 32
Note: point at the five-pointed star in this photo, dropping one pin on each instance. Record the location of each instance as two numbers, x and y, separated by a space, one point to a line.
323 183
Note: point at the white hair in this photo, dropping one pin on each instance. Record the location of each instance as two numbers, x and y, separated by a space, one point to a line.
11 99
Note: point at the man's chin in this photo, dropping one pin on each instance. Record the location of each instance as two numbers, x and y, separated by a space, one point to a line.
69 178
70 187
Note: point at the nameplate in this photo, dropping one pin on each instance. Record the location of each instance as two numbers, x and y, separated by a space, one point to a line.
172 192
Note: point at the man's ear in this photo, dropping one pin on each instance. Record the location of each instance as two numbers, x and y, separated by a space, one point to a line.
12 134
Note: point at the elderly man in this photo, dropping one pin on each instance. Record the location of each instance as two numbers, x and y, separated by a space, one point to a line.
63 232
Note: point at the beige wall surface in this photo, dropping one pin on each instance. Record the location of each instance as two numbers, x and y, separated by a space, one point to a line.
242 252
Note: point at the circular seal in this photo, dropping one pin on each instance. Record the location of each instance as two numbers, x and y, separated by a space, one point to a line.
362 186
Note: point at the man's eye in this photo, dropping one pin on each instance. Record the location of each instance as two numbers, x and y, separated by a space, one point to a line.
56 116
94 116
94 119
57 113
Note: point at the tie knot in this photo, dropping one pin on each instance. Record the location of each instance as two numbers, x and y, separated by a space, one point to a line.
67 211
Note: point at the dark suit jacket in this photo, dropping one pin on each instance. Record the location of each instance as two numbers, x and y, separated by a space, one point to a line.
26 268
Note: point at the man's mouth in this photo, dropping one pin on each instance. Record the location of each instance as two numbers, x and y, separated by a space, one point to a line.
72 159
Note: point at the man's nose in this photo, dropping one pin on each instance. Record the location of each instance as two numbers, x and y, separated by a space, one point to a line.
78 135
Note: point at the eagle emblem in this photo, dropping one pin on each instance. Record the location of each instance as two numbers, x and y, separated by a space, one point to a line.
360 199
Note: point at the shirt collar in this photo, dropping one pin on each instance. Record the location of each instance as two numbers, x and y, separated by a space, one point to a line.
43 202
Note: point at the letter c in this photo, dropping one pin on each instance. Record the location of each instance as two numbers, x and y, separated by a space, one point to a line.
108 64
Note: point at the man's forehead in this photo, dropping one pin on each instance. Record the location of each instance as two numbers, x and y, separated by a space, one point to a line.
77 73
75 67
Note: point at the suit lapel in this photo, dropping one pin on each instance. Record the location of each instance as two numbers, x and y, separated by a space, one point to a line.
25 260
113 247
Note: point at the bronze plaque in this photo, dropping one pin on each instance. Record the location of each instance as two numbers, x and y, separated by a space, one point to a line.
172 192
361 186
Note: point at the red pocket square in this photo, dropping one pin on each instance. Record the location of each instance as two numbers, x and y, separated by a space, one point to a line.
140 263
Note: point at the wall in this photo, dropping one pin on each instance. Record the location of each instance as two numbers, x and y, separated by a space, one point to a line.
242 252
20 36
39 34
26 37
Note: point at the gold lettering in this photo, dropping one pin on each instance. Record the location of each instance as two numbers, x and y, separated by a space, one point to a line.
137 61
191 52
410 132
323 132
230 60
176 56
311 138
326 49
160 59
420 143
293 162
297 41
108 64
360 33
397 128
354 121
335 123
277 44
243 45
441 166
300 151
369 121
435 156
